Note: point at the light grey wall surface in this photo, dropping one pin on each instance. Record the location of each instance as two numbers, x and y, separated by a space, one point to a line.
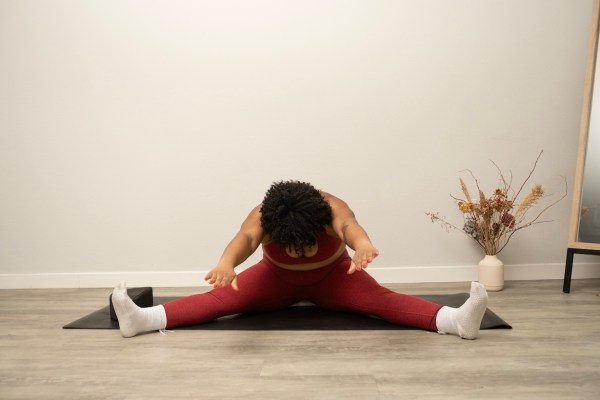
136 135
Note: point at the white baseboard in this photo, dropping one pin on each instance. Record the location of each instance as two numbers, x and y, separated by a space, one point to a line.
383 275
517 272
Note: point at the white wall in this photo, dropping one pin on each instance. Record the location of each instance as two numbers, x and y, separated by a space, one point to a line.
136 135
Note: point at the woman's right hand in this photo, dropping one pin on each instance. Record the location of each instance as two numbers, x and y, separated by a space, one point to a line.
221 276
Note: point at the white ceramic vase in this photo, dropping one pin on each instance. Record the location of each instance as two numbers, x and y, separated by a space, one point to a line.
491 273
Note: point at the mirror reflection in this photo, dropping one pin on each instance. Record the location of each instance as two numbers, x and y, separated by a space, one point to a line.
589 220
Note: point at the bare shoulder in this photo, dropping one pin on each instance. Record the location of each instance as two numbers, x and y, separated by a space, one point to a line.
339 208
251 225
253 217
334 202
331 198
256 211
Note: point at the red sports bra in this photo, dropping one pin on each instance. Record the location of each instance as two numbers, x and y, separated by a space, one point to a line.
327 247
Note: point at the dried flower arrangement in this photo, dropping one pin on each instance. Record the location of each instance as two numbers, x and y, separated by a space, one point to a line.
492 221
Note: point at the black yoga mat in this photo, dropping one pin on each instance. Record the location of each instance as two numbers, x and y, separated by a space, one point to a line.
297 317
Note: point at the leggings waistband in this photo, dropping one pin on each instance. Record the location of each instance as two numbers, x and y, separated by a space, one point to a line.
310 277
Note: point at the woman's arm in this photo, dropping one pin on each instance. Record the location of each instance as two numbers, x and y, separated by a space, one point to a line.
242 246
348 229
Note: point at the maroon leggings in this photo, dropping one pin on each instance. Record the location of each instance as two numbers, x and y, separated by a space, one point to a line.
266 287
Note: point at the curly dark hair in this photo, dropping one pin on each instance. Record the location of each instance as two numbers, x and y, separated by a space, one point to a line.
293 213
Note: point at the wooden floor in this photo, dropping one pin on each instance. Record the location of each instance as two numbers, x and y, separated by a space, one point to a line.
553 352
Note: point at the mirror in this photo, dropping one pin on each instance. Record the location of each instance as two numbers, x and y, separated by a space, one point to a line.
584 233
589 214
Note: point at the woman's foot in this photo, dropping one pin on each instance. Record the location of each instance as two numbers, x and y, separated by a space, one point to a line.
134 319
466 320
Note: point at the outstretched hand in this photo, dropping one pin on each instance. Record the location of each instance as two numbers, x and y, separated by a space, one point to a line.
363 256
221 276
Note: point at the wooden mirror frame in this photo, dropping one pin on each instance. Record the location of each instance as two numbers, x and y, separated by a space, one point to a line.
574 245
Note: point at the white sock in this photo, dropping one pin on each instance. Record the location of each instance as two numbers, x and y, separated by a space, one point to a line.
466 320
134 319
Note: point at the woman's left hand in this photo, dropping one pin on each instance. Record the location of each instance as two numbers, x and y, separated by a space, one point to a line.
363 256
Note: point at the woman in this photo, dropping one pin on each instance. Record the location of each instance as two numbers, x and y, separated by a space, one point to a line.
304 233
